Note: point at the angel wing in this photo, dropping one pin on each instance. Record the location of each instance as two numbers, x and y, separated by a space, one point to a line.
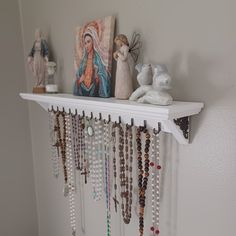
135 45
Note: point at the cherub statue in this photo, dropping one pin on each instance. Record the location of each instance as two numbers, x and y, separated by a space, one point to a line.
37 61
157 92
144 78
126 56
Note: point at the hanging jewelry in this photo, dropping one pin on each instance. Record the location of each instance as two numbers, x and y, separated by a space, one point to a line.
70 171
126 173
87 148
81 143
114 126
96 162
60 143
143 173
76 139
155 182
107 175
54 143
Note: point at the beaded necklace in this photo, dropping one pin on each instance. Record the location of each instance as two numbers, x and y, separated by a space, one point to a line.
60 144
155 182
114 128
96 165
107 175
54 143
70 170
143 173
126 174
76 139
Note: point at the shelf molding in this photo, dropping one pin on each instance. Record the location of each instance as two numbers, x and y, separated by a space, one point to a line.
173 118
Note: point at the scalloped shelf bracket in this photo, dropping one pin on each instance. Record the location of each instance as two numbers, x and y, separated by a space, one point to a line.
174 118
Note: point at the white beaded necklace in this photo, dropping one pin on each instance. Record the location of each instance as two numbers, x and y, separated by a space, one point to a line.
155 182
70 172
55 154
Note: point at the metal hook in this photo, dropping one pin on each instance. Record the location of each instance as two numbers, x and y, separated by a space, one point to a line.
144 124
119 119
132 122
100 116
159 127
83 114
91 116
109 118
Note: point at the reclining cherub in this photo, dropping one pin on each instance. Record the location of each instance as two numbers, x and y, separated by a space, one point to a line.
153 86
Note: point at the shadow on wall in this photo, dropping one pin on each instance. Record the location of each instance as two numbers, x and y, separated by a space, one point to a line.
169 154
193 80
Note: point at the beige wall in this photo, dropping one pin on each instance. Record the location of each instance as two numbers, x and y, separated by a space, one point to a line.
197 41
17 196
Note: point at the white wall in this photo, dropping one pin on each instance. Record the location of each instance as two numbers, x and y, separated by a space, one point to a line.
196 39
17 196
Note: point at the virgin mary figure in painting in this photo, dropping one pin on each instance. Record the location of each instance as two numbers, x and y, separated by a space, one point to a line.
92 75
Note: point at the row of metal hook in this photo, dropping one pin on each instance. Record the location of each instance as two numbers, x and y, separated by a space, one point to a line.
100 118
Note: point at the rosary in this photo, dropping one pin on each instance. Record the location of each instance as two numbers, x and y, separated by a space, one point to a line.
105 153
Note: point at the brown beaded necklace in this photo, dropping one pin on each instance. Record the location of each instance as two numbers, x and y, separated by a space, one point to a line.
126 180
143 173
113 134
61 143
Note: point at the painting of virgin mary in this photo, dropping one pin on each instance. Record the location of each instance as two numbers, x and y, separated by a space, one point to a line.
93 58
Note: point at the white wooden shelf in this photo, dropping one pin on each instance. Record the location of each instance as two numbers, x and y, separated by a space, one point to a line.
174 118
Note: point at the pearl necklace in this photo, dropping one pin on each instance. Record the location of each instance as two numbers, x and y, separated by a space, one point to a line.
70 186
96 165
107 175
54 143
155 183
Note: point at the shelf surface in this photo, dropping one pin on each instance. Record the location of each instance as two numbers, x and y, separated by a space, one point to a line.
124 111
176 110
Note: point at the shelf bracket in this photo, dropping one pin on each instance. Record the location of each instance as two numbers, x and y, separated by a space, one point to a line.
183 124
179 128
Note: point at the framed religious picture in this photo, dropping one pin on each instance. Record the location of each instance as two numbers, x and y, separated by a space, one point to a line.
93 58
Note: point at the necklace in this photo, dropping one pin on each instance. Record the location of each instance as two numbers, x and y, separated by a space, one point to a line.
143 173
81 143
76 139
60 143
54 143
114 126
126 174
155 182
96 165
107 175
70 170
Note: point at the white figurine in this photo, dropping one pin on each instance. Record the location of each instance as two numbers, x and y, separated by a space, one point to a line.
144 78
124 70
37 60
161 83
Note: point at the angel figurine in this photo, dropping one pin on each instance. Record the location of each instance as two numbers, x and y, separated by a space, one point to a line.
37 61
126 56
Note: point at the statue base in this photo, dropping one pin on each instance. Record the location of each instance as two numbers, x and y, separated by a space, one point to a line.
39 90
